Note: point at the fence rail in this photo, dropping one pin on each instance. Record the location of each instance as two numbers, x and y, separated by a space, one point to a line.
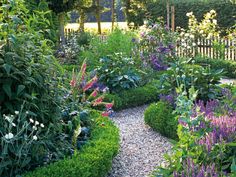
216 48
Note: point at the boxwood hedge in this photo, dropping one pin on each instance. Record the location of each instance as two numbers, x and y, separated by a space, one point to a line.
95 158
160 117
134 97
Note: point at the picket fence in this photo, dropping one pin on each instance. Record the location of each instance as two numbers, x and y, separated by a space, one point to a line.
216 48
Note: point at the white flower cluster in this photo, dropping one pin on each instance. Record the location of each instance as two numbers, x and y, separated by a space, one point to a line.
36 124
11 124
206 28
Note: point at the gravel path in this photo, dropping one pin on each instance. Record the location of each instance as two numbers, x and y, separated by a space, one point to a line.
228 81
141 149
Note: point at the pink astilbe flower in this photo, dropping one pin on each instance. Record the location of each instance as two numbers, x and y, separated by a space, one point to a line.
98 101
105 114
73 80
83 69
82 72
109 105
90 83
94 93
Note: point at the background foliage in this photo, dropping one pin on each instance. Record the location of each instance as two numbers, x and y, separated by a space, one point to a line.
225 9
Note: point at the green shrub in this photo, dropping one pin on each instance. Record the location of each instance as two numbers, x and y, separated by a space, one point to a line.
95 158
159 116
229 67
183 71
28 91
134 97
116 42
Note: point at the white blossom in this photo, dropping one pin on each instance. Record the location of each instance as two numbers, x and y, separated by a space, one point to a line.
212 11
13 124
34 127
189 14
36 122
35 137
8 118
192 36
17 112
42 125
31 120
9 136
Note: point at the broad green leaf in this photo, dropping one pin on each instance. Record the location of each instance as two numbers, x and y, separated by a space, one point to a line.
20 89
7 68
7 90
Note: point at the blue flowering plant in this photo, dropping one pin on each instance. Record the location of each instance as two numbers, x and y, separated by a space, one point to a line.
157 45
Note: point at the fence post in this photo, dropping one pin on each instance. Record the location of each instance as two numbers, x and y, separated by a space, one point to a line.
173 18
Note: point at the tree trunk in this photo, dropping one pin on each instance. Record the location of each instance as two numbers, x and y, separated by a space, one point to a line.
98 16
82 19
113 15
61 18
127 8
168 13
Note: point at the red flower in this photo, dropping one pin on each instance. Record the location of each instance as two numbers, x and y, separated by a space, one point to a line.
94 93
98 101
83 68
105 114
109 105
73 80
90 83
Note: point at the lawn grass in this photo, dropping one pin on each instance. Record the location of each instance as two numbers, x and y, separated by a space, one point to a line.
92 26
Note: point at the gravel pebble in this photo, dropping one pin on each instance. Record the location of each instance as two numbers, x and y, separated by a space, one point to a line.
141 149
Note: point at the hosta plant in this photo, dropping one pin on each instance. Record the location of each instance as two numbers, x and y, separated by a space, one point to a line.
119 72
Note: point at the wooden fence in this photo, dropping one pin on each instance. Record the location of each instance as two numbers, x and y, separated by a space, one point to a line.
217 48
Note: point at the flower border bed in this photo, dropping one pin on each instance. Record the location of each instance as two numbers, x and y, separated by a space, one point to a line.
95 158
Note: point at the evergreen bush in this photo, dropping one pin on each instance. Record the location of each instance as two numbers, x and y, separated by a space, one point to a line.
159 116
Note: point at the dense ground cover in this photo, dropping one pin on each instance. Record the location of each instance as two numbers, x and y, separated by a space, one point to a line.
55 100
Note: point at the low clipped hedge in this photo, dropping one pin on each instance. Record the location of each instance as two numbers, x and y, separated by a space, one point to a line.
160 118
95 158
228 66
134 97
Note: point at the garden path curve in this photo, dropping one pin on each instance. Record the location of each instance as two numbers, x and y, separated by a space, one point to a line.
141 149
